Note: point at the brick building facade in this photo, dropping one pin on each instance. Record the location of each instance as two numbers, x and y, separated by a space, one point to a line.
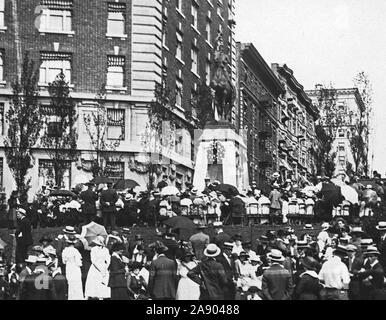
128 45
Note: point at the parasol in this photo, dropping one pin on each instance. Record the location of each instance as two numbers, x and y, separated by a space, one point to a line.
180 222
62 193
93 230
331 193
170 191
227 189
125 184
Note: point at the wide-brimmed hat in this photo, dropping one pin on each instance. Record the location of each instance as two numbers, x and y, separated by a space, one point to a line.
372 250
69 230
357 230
340 250
228 245
309 263
50 250
254 258
381 226
276 255
41 260
31 259
212 250
217 224
126 230
302 244
351 248
243 254
369 186
366 242
45 238
253 289
200 226
308 226
263 239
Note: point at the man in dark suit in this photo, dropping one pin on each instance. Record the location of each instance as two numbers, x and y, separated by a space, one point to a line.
199 241
89 198
108 199
372 277
228 263
355 264
220 236
277 281
23 236
163 278
211 274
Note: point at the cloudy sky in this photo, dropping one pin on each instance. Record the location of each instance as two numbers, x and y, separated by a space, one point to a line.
324 41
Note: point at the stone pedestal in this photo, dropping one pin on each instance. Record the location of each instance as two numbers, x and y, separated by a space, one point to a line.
232 165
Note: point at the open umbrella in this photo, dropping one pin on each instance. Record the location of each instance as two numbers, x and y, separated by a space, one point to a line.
227 189
93 230
62 193
180 222
170 191
331 193
100 179
126 184
350 194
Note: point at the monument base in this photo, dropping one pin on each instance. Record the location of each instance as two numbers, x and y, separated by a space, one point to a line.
231 164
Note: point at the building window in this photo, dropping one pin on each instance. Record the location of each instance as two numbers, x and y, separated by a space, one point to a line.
1 65
207 72
116 18
208 31
115 71
341 148
116 124
115 170
195 60
52 64
47 174
195 16
179 46
56 15
2 11
179 85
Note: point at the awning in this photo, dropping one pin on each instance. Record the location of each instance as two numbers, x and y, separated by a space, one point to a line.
284 164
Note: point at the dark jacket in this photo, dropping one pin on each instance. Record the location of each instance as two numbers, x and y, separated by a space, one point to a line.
89 197
375 281
174 250
382 250
230 288
163 278
60 287
277 283
214 278
110 196
308 288
24 229
117 273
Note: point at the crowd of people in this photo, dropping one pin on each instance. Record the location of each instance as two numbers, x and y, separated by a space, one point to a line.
337 262
340 262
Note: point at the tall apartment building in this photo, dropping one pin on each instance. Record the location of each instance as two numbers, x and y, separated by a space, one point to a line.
128 45
296 134
258 92
348 106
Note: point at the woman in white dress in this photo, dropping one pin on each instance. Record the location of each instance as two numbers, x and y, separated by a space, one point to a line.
98 274
187 289
72 259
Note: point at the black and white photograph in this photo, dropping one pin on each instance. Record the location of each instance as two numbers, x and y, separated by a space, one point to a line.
212 151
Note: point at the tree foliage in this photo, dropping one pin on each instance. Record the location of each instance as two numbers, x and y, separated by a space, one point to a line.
60 134
96 123
24 124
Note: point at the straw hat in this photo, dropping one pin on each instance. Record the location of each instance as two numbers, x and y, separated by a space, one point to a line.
212 250
381 226
31 259
372 250
276 255
69 230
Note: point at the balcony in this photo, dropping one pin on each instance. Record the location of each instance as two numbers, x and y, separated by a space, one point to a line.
293 104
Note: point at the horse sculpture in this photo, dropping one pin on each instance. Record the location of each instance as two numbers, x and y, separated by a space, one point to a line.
221 83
